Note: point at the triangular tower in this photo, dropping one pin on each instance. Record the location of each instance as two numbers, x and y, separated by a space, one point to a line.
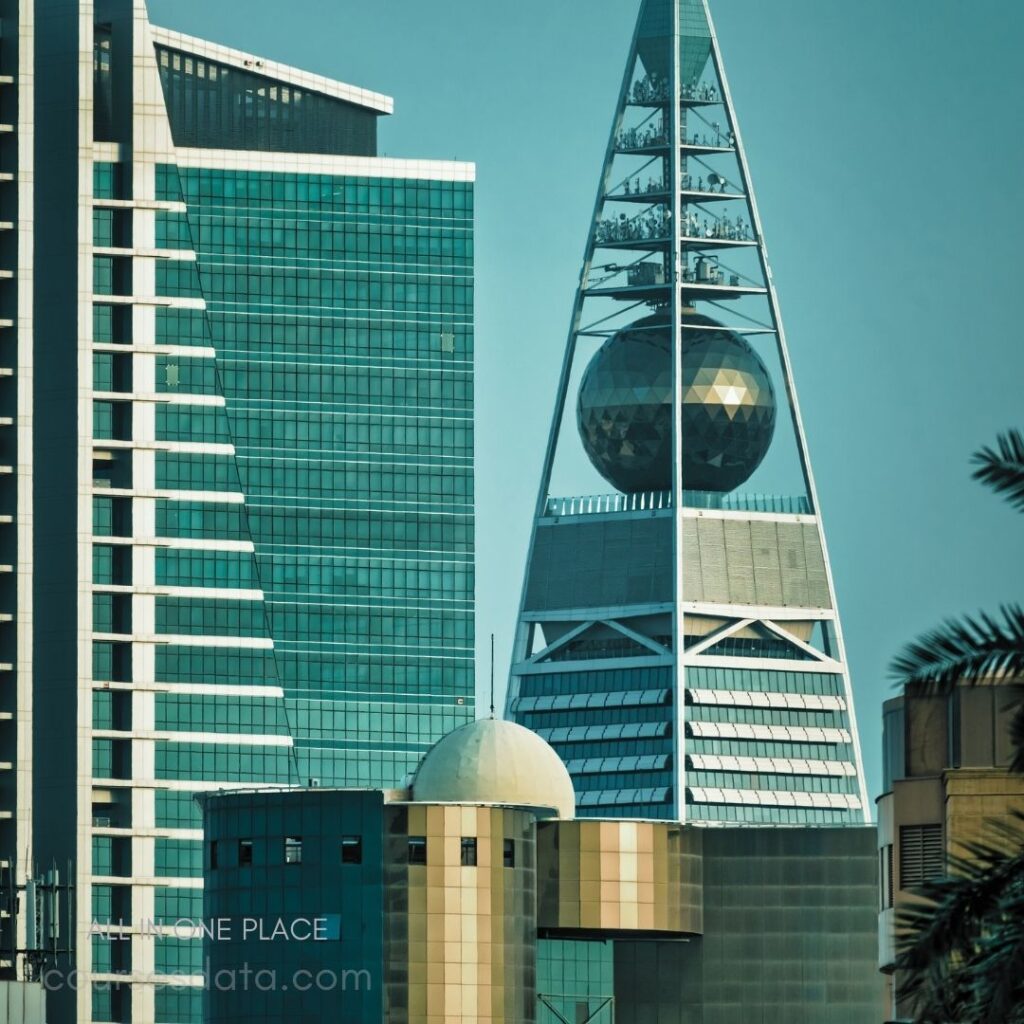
678 640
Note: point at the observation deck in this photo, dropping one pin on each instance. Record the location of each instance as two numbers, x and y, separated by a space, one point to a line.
654 91
646 281
636 142
698 195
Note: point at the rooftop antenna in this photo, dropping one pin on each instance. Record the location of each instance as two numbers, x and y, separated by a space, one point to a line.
492 675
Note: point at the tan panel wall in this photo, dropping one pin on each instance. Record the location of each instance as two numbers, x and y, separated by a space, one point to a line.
460 941
638 876
914 802
973 798
741 561
927 735
767 568
964 801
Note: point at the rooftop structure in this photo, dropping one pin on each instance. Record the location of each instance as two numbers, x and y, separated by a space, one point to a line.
490 761
480 907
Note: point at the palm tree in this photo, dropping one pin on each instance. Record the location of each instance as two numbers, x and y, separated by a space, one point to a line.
960 953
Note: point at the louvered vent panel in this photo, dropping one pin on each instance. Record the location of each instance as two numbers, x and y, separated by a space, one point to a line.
921 854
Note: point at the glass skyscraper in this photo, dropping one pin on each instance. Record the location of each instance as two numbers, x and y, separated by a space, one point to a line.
245 485
678 639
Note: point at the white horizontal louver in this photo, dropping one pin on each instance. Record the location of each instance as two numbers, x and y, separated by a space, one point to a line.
614 797
780 733
626 763
747 699
770 765
921 854
773 798
613 699
617 731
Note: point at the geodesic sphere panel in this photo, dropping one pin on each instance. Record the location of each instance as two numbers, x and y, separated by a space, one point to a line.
624 407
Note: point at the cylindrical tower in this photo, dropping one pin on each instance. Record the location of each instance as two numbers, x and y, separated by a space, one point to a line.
460 921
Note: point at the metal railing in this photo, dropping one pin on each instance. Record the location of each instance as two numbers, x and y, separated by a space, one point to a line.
595 504
653 501
741 501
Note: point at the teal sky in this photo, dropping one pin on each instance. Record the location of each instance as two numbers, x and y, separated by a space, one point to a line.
886 156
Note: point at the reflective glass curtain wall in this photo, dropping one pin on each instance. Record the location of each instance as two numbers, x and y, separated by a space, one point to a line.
340 309
275 353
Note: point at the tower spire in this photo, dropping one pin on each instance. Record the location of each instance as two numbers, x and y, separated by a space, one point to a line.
677 609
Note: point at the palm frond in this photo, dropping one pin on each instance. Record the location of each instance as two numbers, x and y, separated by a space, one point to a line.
1002 467
997 977
1017 738
964 650
949 912
960 943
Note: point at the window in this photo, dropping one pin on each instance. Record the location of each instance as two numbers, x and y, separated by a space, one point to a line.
885 876
293 849
509 853
351 849
244 852
417 849
213 853
468 852
921 854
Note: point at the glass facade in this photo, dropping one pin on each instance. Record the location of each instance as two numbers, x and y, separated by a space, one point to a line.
239 349
575 981
282 491
613 728
212 104
327 424
257 874
787 936
340 310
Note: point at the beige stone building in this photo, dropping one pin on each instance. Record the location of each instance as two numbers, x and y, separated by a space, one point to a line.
946 775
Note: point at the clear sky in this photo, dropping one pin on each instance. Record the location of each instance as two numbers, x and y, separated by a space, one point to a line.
885 151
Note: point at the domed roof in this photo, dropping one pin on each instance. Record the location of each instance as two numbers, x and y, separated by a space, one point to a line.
494 762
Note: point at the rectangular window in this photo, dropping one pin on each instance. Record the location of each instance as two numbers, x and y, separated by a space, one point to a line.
244 852
921 854
351 849
293 849
213 853
885 876
468 852
509 853
417 849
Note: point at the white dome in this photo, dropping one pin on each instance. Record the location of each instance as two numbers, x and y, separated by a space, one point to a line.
494 762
